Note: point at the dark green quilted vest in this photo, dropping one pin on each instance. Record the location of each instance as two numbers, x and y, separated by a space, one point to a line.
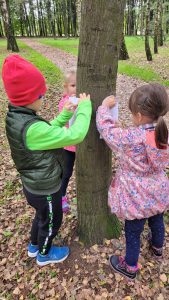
41 171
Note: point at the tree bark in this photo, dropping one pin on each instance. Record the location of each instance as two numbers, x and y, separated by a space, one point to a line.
51 22
123 54
2 34
147 45
160 32
100 36
131 17
142 17
78 10
32 17
156 24
5 12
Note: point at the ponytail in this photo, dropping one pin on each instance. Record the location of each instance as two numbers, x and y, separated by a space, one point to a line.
161 134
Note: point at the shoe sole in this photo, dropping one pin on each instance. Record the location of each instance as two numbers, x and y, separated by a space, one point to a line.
32 255
115 270
44 263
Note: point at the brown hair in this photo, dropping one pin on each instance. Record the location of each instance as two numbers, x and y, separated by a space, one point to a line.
151 100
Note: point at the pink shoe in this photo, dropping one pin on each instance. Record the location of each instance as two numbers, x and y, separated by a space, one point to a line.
65 204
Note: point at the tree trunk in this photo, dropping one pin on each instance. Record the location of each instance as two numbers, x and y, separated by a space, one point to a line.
74 18
131 17
142 17
78 10
156 24
147 45
160 32
1 29
69 16
51 22
21 19
32 16
123 54
5 12
27 23
102 21
65 17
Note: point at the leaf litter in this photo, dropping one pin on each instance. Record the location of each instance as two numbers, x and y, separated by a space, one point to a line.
86 273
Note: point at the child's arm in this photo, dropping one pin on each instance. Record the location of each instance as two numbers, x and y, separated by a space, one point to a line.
61 103
42 136
62 118
116 138
65 115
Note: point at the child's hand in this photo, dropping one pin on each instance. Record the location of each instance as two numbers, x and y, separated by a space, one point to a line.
69 106
109 101
83 97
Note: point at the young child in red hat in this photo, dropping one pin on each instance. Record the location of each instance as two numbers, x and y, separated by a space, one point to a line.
36 150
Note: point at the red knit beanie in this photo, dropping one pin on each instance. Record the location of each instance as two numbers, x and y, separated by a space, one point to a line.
23 82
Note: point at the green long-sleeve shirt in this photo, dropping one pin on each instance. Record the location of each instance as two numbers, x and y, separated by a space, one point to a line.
42 136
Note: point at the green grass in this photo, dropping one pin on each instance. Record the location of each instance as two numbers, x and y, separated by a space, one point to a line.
137 72
52 74
68 45
137 66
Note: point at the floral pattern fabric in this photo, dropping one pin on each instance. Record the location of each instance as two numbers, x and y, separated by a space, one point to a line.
140 188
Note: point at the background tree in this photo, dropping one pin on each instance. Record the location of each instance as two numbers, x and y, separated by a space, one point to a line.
156 27
9 32
123 53
102 21
147 45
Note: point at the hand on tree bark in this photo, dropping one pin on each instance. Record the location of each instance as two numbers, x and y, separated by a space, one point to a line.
83 97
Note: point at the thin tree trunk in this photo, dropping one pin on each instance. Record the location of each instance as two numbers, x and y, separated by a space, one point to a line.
147 45
160 32
142 17
100 35
74 17
39 19
2 34
69 16
21 19
50 19
32 16
156 24
27 23
123 54
131 17
78 10
5 12
65 17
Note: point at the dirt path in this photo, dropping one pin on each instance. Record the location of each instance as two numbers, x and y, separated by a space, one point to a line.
64 60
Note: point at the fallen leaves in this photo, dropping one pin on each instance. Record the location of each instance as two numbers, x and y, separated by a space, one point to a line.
86 274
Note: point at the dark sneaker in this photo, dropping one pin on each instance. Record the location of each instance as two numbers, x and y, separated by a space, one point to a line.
55 255
119 265
157 252
32 250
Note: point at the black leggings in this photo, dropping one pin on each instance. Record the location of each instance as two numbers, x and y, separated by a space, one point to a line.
69 159
47 220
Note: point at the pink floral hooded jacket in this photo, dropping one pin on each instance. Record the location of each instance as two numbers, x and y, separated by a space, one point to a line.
140 188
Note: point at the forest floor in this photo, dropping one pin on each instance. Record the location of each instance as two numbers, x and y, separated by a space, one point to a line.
86 273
